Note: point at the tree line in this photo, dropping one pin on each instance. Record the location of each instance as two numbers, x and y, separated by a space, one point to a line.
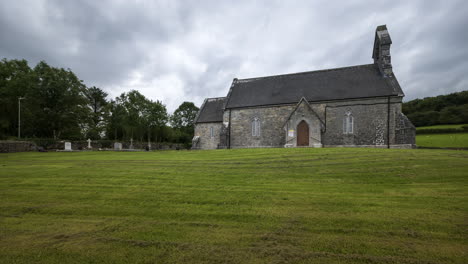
55 103
443 109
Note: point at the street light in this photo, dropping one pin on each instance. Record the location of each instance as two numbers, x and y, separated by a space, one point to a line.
19 116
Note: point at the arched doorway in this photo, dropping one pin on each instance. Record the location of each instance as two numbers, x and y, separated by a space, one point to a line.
302 134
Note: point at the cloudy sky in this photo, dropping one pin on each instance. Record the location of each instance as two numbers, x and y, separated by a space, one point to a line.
178 51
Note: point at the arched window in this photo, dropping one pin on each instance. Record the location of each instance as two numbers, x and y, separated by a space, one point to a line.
211 132
255 127
348 123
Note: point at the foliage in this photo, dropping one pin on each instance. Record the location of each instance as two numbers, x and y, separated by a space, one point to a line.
184 116
183 122
116 120
100 112
438 129
441 130
53 105
17 79
62 103
235 206
58 105
456 126
442 109
137 117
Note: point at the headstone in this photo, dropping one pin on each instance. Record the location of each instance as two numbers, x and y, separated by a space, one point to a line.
131 143
117 146
68 146
41 149
89 143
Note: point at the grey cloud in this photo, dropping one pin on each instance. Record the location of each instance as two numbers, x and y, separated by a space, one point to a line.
178 51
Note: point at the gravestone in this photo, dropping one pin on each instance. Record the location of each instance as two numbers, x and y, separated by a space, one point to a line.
117 146
131 143
68 146
89 143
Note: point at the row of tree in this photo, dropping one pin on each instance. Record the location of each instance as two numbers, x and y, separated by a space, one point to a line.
442 109
55 103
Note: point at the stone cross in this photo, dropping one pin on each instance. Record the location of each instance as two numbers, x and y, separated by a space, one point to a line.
89 143
68 146
131 143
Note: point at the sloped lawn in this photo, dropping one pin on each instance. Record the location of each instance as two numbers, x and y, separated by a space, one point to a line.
235 206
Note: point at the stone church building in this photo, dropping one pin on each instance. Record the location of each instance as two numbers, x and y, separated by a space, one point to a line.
357 106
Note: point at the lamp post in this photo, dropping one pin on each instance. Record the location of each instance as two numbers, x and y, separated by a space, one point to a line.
19 116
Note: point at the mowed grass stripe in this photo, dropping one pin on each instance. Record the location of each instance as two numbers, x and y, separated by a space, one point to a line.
235 206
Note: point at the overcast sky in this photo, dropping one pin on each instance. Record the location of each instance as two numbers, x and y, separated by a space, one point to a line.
177 51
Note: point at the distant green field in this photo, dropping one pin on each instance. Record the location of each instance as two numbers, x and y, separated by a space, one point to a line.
455 140
457 126
235 206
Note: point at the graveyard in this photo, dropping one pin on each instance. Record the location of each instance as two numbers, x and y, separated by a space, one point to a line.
336 205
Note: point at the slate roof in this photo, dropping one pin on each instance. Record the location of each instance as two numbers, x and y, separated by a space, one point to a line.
360 81
211 110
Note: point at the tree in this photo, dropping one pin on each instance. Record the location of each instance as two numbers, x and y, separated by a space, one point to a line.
16 80
183 122
154 116
115 120
98 104
442 109
132 115
134 104
61 99
454 114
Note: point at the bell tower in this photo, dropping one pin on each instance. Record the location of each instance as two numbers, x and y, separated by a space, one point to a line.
381 52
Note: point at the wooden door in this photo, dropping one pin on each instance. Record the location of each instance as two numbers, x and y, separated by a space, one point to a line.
303 134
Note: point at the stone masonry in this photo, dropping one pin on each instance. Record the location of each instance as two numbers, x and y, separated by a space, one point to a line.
203 131
356 106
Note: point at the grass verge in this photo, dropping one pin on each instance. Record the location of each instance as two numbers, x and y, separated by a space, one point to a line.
235 206
454 140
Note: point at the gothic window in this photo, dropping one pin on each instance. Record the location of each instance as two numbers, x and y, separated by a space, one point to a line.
211 132
255 127
348 123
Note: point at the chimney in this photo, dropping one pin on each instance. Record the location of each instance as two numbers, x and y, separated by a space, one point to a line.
381 52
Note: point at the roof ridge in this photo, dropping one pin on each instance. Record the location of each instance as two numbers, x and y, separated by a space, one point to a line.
300 73
221 97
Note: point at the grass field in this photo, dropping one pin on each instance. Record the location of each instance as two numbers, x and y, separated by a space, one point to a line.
454 140
235 206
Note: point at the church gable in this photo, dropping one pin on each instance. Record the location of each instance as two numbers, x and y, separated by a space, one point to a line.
211 110
350 106
304 126
355 82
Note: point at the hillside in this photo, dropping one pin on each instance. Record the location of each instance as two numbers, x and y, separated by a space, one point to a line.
442 109
235 206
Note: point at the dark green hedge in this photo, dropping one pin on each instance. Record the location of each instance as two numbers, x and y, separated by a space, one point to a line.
463 129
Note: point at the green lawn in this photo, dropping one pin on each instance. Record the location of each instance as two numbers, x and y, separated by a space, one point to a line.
235 206
454 140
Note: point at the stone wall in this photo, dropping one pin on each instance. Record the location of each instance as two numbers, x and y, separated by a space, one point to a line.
203 130
8 146
370 118
405 132
52 145
311 115
374 124
271 119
